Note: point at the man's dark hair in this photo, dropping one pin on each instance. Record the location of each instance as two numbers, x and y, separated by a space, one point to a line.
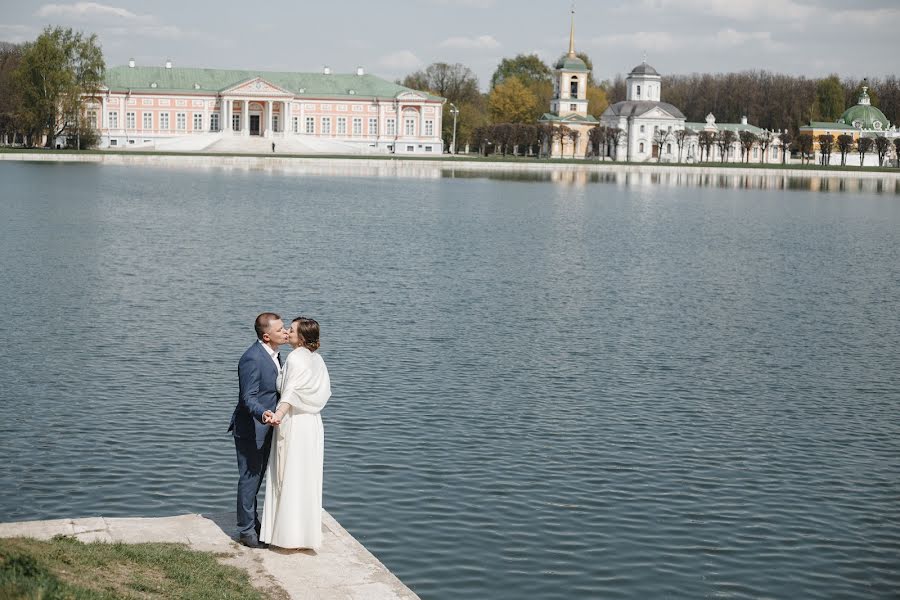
262 323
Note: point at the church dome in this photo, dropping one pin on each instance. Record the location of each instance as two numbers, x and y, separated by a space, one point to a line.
567 62
644 69
864 115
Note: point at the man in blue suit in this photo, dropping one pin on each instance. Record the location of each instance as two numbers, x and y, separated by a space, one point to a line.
250 423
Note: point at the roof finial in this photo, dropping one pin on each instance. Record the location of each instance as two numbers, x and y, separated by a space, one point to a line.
572 34
645 57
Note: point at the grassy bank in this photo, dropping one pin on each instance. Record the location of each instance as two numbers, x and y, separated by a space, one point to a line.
476 158
65 568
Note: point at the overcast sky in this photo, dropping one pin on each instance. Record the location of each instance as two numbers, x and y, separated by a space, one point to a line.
390 38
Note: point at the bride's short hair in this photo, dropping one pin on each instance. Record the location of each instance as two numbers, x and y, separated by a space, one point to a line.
309 332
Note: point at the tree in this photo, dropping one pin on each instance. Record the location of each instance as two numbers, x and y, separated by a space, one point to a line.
863 146
597 102
765 140
574 135
560 133
829 99
680 136
882 145
614 136
805 146
528 68
826 145
597 140
747 139
897 150
57 72
844 145
660 137
459 85
724 140
10 93
512 102
706 140
787 142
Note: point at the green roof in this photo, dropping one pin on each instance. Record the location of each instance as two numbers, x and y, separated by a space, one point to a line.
826 125
179 79
568 118
864 116
570 63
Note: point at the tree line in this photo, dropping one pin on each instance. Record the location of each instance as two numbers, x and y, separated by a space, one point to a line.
44 85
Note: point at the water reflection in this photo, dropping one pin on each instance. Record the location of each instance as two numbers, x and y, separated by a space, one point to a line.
830 183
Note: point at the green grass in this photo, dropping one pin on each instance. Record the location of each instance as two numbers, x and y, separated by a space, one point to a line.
65 568
469 157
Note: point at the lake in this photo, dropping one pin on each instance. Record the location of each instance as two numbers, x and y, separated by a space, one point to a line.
546 386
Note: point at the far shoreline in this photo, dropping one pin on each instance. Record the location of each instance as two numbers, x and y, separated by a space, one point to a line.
442 163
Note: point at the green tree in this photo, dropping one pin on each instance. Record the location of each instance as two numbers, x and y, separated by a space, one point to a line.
58 71
512 102
829 99
527 67
10 93
459 85
597 101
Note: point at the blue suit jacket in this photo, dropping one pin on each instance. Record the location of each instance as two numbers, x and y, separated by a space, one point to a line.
257 376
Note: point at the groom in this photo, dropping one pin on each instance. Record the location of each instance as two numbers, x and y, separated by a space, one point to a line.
257 373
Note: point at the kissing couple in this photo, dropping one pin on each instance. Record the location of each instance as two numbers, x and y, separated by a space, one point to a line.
278 435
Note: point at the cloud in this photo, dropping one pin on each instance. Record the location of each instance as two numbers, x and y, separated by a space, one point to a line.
16 34
465 3
888 17
82 11
473 43
757 10
663 41
404 59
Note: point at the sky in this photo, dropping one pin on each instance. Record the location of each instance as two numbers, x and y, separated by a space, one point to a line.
392 38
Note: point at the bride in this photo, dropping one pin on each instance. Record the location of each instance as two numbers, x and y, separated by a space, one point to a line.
292 513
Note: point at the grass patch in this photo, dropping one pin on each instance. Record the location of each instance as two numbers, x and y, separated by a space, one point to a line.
65 568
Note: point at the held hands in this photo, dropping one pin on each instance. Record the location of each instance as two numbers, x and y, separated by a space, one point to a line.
270 418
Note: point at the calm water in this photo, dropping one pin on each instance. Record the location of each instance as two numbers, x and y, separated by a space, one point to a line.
551 388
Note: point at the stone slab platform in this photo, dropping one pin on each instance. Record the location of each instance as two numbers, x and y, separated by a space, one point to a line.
342 569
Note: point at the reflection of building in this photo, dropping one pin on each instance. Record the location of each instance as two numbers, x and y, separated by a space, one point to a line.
253 111
569 105
861 120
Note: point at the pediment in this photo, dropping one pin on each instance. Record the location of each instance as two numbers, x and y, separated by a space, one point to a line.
257 87
411 96
657 113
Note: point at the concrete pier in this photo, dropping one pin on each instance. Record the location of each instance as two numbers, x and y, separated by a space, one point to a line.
342 569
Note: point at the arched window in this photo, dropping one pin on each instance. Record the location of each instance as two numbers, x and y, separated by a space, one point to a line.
638 91
573 86
668 148
641 148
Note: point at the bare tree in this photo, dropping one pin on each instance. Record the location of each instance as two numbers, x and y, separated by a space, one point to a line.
706 140
844 146
765 140
863 146
597 138
747 139
574 135
680 136
787 142
805 146
882 145
724 140
897 150
660 137
614 138
826 145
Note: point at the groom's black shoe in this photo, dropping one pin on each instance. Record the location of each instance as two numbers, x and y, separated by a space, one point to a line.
251 541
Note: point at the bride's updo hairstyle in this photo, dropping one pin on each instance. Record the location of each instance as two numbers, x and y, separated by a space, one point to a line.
309 332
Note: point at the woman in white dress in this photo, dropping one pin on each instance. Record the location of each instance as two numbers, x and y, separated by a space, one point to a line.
292 513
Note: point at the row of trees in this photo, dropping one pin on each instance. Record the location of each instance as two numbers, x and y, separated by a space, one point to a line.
521 89
43 85
845 144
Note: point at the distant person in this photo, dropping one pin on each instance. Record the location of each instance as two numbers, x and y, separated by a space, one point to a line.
273 146
258 372
292 513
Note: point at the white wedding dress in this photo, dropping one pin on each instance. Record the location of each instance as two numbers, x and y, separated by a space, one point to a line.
292 513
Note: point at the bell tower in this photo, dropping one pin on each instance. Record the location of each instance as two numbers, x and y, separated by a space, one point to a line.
570 81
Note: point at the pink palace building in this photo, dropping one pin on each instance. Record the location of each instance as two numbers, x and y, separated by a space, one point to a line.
187 109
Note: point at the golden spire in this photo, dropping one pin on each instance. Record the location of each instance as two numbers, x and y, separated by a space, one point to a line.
572 34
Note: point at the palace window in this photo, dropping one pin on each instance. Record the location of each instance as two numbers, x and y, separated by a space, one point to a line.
573 107
638 91
295 124
756 153
114 120
410 149
147 120
357 126
275 123
429 127
310 124
642 129
92 118
775 153
641 148
214 122
164 120
573 87
235 122
390 126
409 126
326 125
181 121
373 126
198 121
342 125
130 120
668 148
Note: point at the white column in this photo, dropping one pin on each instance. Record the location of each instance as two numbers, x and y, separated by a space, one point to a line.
288 113
269 106
302 121
245 117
